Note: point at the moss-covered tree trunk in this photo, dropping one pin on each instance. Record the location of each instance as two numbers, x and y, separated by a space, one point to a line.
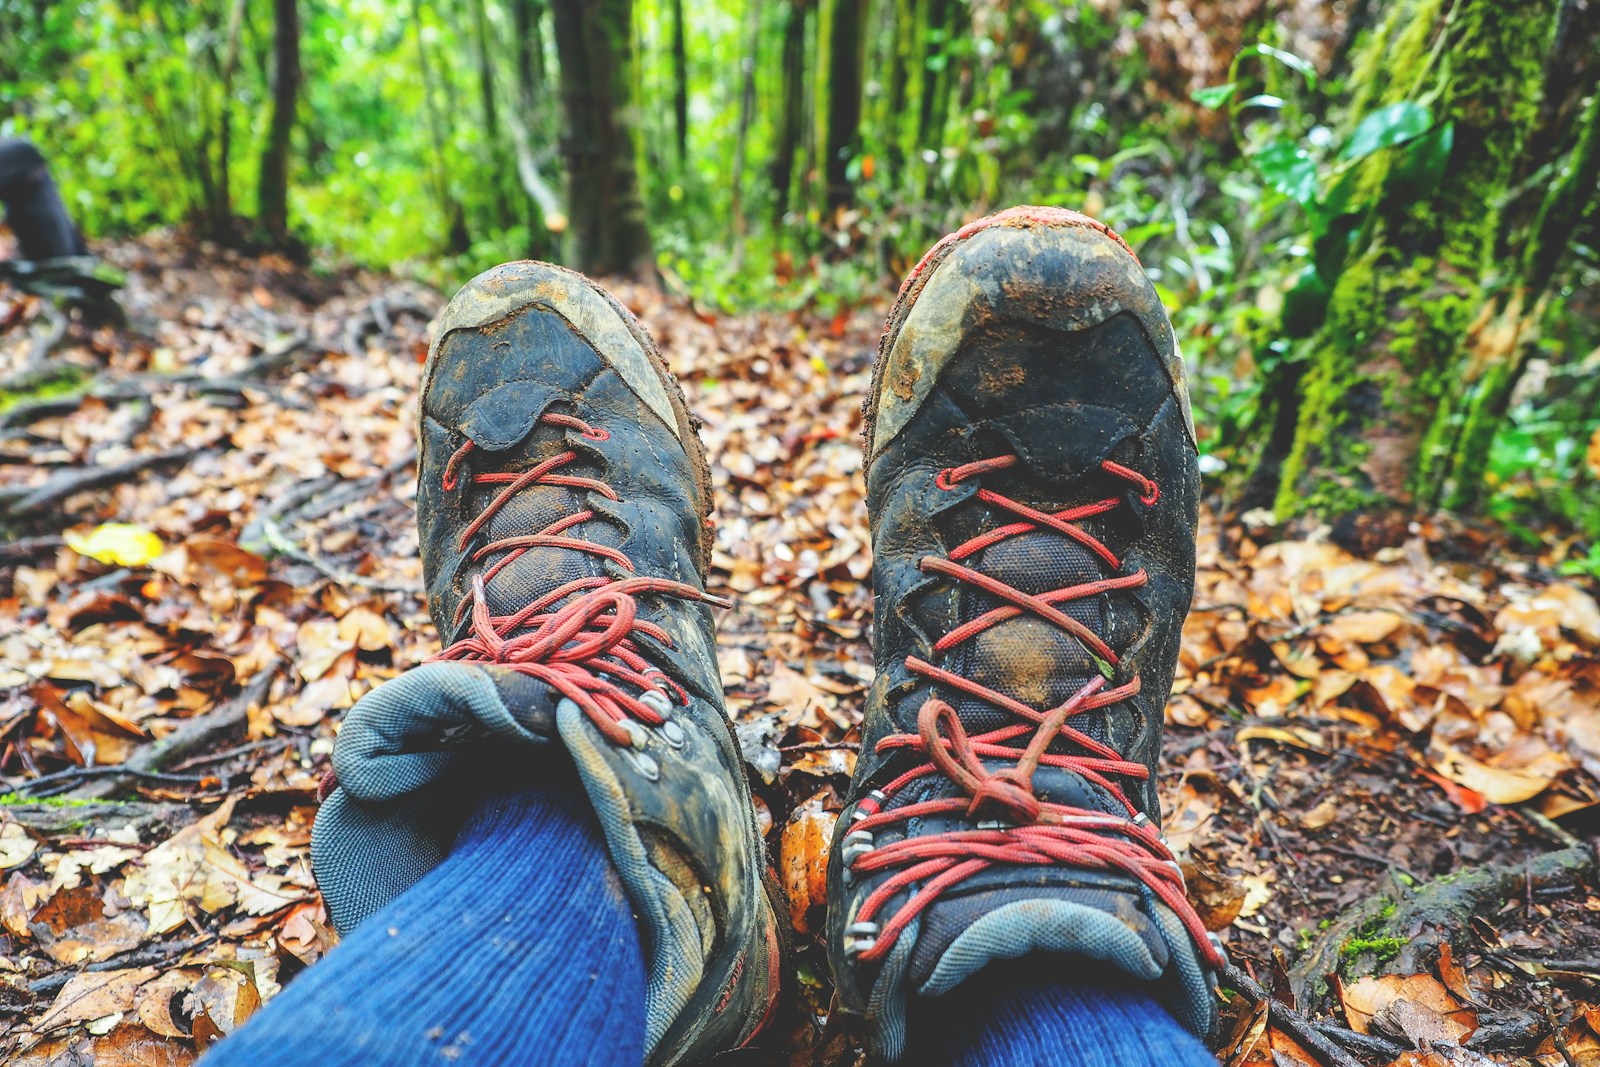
595 45
1413 360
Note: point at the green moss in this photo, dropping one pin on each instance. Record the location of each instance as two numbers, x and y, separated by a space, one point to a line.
1383 949
57 381
17 799
1391 361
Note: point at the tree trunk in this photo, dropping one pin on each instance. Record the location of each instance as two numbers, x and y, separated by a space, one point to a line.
222 209
846 19
747 102
272 205
494 145
680 82
594 42
459 238
791 121
543 211
1405 356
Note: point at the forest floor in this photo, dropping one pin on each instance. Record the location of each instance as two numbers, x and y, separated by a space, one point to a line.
1383 775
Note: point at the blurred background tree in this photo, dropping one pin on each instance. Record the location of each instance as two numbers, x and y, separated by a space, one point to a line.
1375 222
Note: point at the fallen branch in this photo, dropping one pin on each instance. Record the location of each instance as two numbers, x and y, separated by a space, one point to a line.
221 723
53 819
279 544
1422 918
1290 1021
152 955
28 549
59 487
1366 1044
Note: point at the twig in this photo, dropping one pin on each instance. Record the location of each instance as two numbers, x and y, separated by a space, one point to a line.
280 545
51 337
51 984
59 487
28 549
1369 1044
45 785
1290 1021
195 734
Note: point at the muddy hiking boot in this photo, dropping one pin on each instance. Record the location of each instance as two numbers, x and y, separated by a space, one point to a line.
1032 488
561 504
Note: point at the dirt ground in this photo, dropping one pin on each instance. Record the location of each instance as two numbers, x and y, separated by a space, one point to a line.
1383 775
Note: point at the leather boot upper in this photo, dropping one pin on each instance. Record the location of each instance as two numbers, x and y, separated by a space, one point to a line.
1032 489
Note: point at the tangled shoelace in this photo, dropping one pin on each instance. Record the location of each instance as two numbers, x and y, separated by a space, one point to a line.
585 648
1040 833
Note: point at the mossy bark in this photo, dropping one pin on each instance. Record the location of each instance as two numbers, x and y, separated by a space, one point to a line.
1397 372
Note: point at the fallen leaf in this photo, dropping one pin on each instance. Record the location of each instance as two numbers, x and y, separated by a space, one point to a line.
94 995
1362 627
119 543
16 845
1417 1007
193 869
803 847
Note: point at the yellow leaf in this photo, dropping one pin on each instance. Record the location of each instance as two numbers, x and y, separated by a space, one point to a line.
120 543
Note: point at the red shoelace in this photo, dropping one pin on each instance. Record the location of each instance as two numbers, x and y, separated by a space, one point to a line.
584 649
1040 833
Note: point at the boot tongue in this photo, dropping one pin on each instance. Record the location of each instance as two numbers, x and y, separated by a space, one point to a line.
1027 657
542 568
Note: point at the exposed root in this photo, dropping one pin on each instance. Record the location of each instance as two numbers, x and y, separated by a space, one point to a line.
1417 920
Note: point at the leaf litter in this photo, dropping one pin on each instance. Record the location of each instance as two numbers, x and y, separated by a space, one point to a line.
1342 730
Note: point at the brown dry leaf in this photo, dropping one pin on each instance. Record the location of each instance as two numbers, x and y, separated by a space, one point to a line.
16 845
223 559
1296 736
94 996
133 1046
1363 627
1272 697
1199 797
73 927
1499 784
1321 815
796 694
156 1001
803 847
1416 1006
1217 898
306 934
226 995
365 629
194 869
19 898
1452 974
334 691
1534 620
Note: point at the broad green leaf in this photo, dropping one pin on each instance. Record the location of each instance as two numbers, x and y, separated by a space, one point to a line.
1288 169
1288 59
1422 164
1214 95
1386 127
1266 100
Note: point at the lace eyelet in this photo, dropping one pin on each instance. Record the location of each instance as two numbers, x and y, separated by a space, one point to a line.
942 480
1154 495
596 433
